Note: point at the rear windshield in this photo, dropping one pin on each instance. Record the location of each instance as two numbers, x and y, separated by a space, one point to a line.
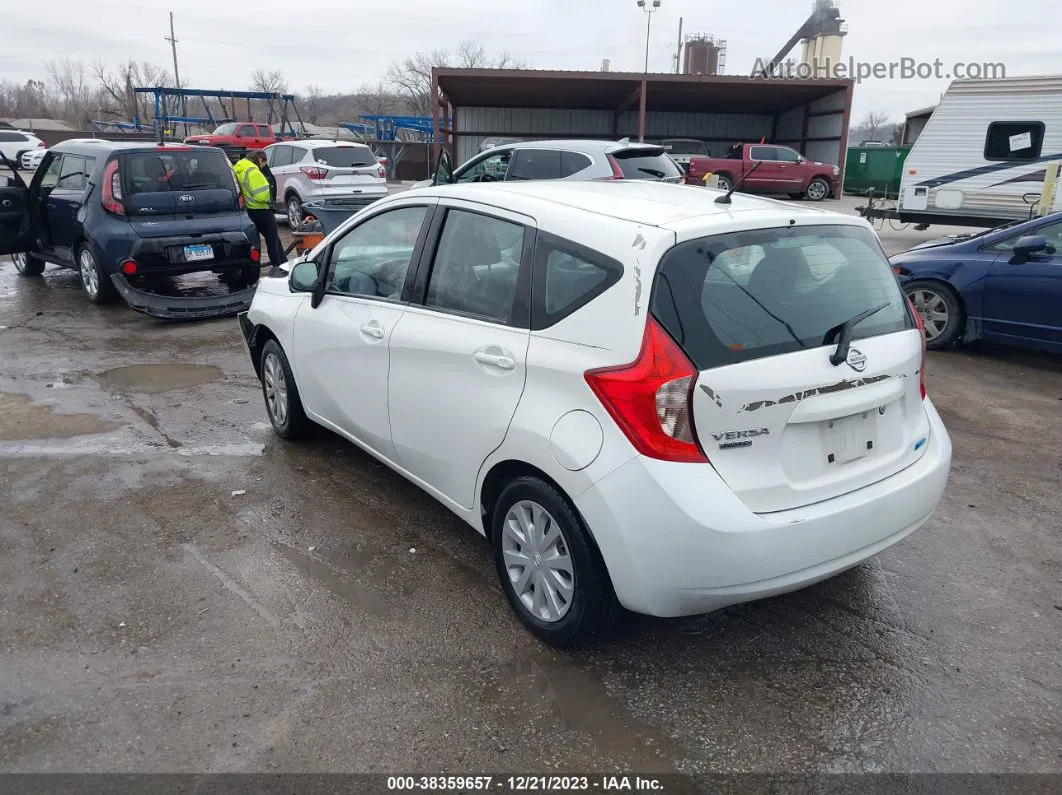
344 156
157 171
747 295
686 147
646 164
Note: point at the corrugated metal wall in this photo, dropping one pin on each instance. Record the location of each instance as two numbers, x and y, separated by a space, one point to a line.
718 126
824 151
791 125
835 101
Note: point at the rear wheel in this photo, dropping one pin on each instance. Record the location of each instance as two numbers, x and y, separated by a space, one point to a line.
281 395
27 264
549 568
724 183
818 190
941 311
97 285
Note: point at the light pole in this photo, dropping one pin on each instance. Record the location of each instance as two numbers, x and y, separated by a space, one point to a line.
648 6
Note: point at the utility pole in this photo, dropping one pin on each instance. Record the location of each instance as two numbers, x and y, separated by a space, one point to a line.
172 39
678 52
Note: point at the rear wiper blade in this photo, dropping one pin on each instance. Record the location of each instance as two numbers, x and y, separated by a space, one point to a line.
844 331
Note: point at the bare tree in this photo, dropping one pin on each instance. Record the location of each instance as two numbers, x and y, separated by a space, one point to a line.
272 82
117 89
312 104
872 124
72 90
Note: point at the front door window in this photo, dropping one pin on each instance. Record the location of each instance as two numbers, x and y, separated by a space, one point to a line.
489 169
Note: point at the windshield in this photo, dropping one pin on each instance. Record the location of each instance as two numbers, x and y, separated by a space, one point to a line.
156 171
747 295
225 129
646 164
344 156
686 147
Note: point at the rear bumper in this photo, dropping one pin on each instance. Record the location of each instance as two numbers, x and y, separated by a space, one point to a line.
177 308
677 541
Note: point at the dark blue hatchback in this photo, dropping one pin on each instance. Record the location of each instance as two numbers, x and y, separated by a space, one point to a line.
1003 285
128 215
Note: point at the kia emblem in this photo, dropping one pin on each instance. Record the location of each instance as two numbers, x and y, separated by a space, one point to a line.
187 197
856 360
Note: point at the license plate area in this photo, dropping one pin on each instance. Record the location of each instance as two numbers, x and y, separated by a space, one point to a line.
198 252
850 438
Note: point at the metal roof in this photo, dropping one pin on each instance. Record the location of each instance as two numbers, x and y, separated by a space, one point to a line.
530 88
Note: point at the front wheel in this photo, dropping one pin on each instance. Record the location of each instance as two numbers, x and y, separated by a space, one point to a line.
550 570
98 287
27 264
283 404
818 190
941 312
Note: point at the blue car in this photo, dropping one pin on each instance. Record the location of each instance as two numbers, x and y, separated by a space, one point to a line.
1003 285
128 215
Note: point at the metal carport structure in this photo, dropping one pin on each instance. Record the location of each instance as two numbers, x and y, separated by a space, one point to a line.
812 115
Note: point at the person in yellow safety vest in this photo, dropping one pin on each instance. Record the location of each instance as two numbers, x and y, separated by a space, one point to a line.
258 199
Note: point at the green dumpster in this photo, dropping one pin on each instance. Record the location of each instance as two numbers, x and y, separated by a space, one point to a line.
877 167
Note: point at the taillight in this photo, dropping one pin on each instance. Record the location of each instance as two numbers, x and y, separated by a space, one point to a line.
651 398
255 255
382 172
111 197
129 268
313 172
41 145
617 172
921 330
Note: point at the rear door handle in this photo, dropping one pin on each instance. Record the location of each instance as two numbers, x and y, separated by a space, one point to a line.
499 360
373 329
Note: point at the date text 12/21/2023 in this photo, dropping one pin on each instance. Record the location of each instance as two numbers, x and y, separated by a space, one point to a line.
609 783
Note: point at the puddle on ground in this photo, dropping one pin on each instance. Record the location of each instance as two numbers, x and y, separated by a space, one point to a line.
21 418
359 596
150 379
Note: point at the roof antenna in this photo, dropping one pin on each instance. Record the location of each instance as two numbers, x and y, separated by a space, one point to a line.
738 184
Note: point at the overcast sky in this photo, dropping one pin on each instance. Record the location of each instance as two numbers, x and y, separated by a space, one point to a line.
341 44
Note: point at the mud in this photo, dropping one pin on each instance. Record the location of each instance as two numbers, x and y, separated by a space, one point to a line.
152 620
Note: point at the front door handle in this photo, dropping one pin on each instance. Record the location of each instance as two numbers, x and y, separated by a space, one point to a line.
373 329
499 360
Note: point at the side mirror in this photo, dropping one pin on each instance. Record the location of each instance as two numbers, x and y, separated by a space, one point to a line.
304 276
1028 245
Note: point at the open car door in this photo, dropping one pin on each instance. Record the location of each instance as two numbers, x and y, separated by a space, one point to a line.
444 169
16 227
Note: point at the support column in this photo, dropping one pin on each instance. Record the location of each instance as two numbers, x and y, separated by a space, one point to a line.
436 132
641 110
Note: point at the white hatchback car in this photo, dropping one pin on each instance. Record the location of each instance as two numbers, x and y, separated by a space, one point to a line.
320 170
642 397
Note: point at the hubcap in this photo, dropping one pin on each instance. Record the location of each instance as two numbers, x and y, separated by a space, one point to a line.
294 214
89 278
816 190
537 561
933 309
276 389
20 262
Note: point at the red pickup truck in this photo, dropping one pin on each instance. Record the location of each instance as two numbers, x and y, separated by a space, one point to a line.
781 170
236 137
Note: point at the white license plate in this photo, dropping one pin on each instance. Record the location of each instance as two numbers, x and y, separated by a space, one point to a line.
198 253
850 438
353 179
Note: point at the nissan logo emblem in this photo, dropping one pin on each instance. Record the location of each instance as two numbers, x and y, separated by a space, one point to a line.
187 198
856 360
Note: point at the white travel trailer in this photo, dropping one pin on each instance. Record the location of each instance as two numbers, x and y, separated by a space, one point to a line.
982 158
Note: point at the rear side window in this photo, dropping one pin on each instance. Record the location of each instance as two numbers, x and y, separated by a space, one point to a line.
154 171
73 174
8 137
536 164
642 164
344 156
747 295
476 266
1014 140
566 277
573 163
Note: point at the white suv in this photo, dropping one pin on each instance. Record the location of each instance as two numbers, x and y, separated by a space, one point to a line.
15 143
319 170
643 397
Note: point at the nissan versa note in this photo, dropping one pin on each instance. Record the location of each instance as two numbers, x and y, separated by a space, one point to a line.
645 397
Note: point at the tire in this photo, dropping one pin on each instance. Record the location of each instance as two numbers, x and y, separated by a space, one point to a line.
725 183
28 265
281 395
249 275
796 196
293 210
941 309
18 158
590 608
98 287
818 189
